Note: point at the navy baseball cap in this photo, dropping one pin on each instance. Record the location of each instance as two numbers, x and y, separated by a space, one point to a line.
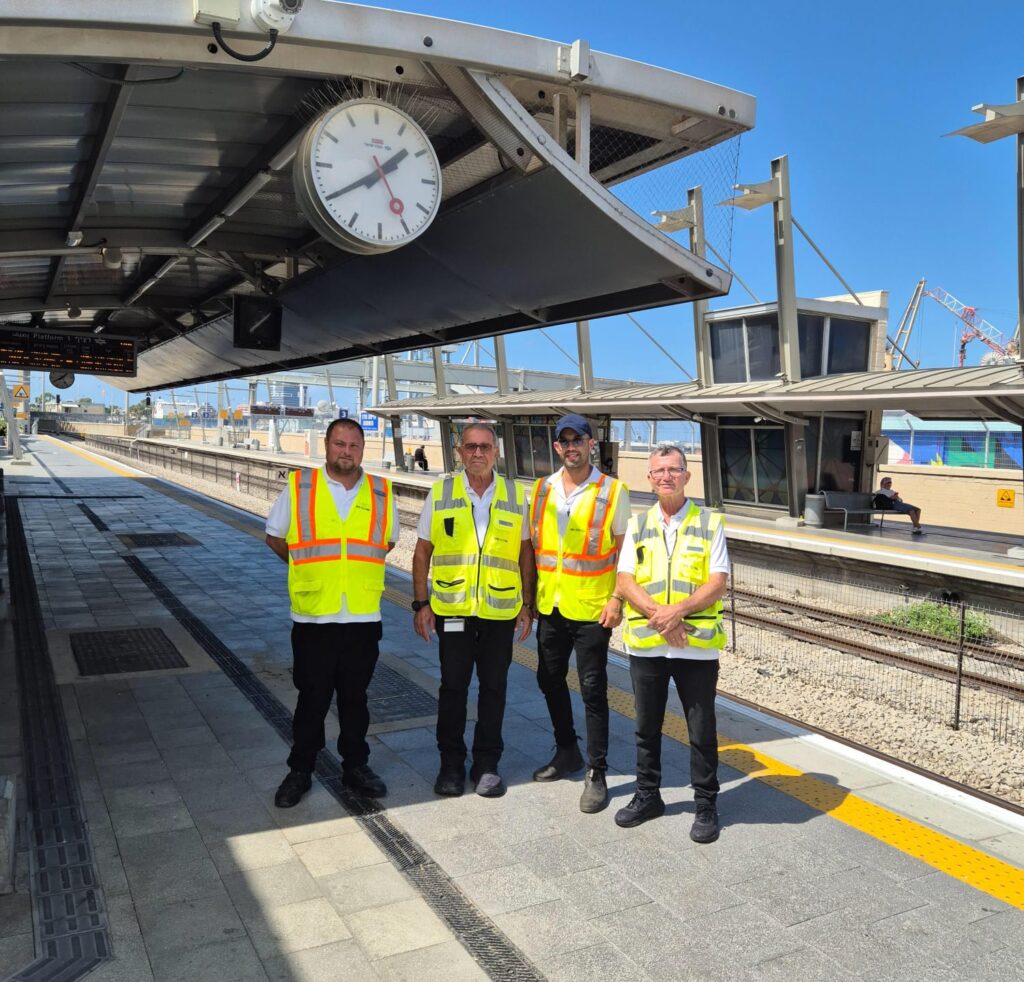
573 422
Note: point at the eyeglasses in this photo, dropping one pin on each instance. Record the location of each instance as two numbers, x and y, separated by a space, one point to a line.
578 441
672 472
474 447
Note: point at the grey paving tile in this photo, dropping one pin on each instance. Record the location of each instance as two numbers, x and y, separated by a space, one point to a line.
16 951
171 928
143 795
805 964
473 853
292 927
368 886
113 755
272 886
226 961
243 838
193 761
403 926
645 934
216 789
169 866
508 888
554 855
322 857
599 891
340 961
446 962
602 961
184 736
146 819
132 775
547 930
15 914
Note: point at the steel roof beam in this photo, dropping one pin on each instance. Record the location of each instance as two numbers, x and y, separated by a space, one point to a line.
997 407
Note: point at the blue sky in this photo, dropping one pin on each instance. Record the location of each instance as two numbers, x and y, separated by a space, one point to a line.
859 96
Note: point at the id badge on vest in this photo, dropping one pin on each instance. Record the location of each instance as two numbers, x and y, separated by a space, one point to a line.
454 625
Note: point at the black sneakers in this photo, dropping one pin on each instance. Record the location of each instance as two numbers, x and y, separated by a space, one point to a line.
567 760
595 792
292 788
450 782
644 806
705 825
363 780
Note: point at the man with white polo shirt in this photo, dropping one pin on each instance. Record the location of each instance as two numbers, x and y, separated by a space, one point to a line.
474 540
673 571
334 527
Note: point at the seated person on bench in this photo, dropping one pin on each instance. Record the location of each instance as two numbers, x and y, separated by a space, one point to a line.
897 504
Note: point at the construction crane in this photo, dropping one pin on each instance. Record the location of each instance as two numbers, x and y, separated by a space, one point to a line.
896 352
976 328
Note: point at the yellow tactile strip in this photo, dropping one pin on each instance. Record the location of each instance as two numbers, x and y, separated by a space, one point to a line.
999 879
977 869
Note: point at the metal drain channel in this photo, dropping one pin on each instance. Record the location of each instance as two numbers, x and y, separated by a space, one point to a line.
495 954
68 910
98 523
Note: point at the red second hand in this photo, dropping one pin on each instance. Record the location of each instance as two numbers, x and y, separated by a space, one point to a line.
395 204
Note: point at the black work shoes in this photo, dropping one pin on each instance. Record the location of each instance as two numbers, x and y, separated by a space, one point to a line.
567 760
362 780
705 825
595 792
450 782
644 806
292 788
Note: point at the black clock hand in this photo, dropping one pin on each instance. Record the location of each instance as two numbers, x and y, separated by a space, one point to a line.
373 177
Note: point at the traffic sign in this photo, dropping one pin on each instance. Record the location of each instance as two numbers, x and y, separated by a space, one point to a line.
1006 497
369 422
20 391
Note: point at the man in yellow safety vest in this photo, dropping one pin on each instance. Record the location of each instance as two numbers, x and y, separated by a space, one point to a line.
333 527
473 531
578 517
673 571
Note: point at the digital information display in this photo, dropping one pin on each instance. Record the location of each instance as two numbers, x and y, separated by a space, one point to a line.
92 354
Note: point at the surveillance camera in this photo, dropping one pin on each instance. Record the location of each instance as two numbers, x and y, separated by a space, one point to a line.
74 239
275 15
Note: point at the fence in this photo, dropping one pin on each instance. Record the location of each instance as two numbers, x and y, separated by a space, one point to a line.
942 660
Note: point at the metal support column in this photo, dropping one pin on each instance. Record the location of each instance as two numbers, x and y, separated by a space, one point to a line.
441 389
396 421
199 413
701 335
711 461
789 340
584 356
503 386
1020 222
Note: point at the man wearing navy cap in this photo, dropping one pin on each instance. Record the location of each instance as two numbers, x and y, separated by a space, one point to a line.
578 517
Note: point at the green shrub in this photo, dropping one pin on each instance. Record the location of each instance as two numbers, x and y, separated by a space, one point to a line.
938 620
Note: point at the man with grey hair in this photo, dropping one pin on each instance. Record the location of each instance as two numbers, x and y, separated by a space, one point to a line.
673 569
474 533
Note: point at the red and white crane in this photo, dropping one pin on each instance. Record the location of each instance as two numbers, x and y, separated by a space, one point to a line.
975 329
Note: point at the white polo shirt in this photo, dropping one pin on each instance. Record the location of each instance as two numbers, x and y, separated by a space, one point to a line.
280 519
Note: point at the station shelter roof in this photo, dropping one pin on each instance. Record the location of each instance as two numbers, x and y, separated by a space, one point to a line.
942 393
145 178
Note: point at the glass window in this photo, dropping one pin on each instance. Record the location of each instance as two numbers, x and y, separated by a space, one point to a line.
737 465
812 432
839 463
770 455
847 346
728 362
810 329
763 347
524 456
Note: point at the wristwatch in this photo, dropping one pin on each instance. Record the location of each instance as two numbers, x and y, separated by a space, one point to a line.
418 605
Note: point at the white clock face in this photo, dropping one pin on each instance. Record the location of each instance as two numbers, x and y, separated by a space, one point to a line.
367 177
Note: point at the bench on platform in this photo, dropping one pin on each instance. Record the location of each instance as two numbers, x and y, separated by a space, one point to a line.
853 503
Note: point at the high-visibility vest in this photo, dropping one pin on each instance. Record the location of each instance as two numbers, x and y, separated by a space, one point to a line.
330 559
580 569
666 579
470 580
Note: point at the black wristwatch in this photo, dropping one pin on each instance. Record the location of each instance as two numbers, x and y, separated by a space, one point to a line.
418 605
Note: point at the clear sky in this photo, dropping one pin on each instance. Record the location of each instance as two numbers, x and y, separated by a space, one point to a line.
859 96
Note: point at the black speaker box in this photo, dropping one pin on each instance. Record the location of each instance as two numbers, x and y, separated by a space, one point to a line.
257 322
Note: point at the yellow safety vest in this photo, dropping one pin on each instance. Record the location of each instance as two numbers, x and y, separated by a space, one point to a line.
330 559
579 569
470 581
666 579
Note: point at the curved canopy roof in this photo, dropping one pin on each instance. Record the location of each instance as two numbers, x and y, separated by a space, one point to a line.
131 130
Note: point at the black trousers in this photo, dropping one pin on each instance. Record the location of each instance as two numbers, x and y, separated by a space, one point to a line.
329 659
487 645
695 682
556 638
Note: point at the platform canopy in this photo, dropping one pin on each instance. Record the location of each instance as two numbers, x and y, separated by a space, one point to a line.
145 177
940 393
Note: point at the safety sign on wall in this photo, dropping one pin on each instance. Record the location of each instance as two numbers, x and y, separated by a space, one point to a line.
19 391
1005 497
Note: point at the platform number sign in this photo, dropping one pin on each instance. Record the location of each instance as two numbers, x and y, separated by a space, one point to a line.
1006 497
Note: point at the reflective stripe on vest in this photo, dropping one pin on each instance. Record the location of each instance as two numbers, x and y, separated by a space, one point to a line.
582 575
704 628
486 582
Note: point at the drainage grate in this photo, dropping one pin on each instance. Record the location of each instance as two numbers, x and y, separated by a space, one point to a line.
144 649
156 540
393 697
494 952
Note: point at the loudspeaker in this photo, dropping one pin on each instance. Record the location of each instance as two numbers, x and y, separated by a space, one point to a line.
257 322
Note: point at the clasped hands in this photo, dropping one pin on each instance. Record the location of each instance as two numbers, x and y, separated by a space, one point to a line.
667 620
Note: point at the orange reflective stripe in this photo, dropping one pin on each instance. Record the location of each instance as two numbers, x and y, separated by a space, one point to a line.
541 492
